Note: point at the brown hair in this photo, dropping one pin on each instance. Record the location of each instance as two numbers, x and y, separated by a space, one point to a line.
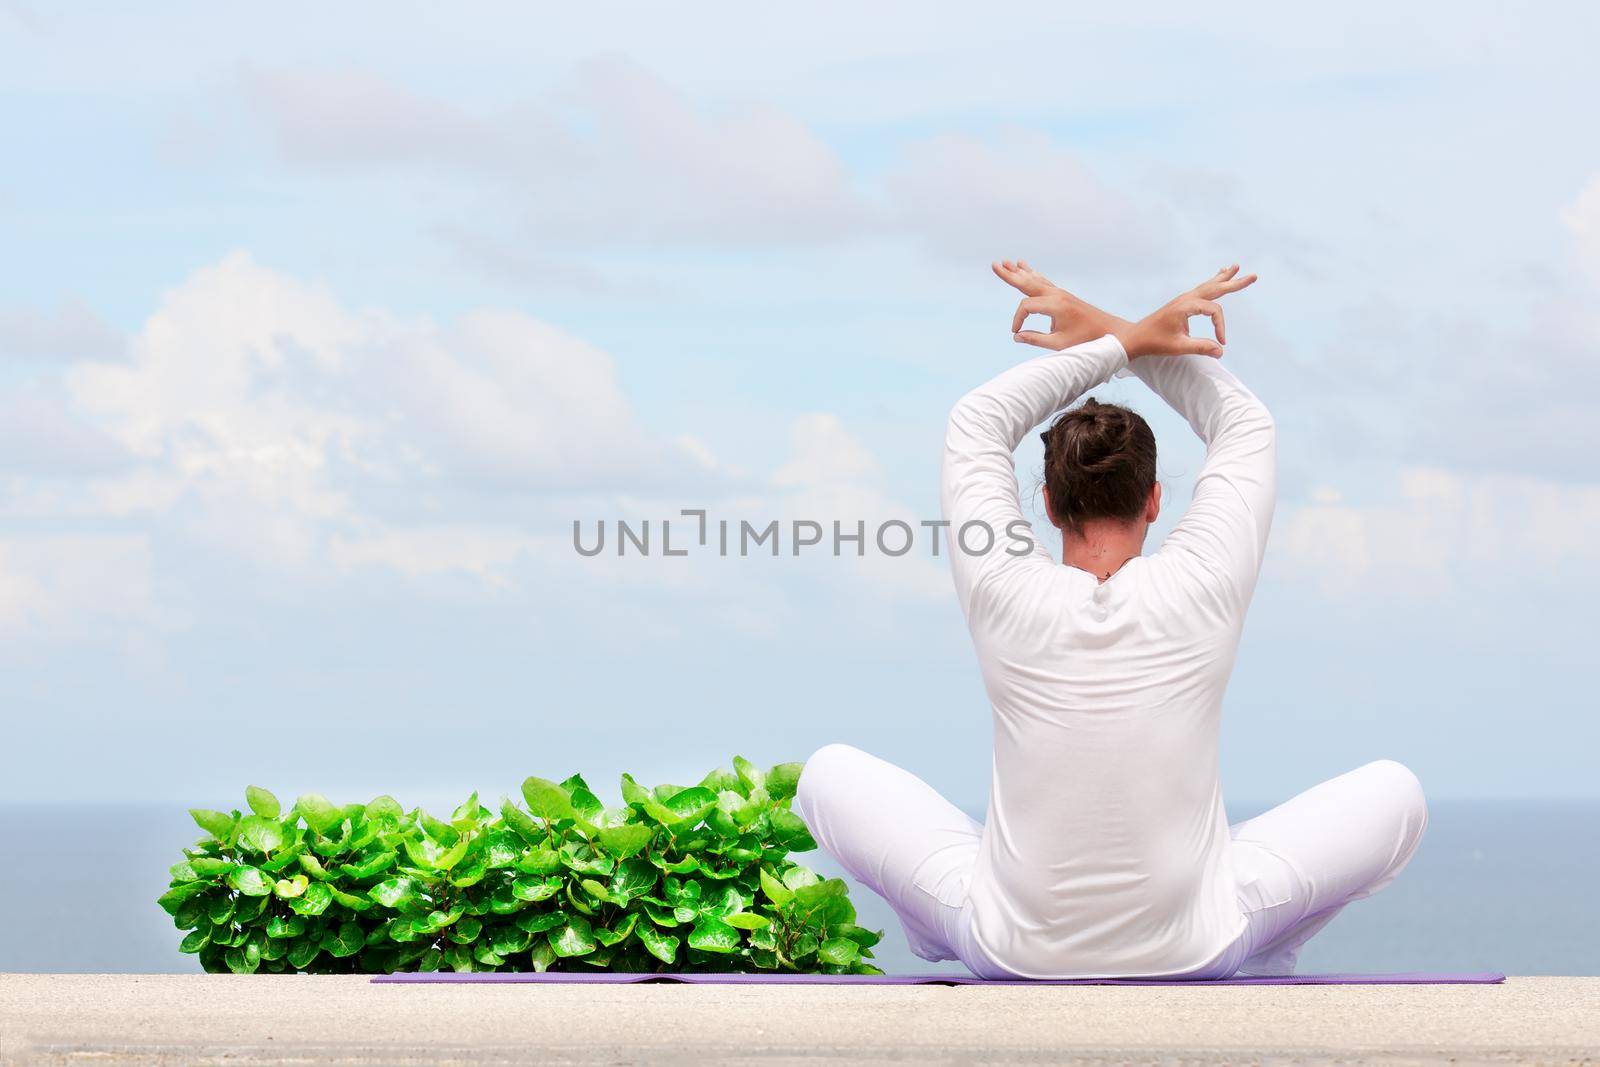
1099 463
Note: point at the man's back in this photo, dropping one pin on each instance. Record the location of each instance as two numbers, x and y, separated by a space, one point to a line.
1105 847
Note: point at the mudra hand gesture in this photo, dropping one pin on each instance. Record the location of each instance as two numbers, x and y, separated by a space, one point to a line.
1164 332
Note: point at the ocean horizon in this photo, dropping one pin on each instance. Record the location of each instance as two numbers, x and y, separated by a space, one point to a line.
1496 885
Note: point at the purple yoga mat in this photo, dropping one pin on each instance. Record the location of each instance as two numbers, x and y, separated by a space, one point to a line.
615 978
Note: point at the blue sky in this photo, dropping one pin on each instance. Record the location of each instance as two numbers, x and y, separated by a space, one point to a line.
319 328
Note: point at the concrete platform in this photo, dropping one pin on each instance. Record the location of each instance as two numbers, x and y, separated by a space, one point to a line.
201 1019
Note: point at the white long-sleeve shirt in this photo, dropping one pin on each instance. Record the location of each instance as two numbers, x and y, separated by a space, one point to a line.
1105 852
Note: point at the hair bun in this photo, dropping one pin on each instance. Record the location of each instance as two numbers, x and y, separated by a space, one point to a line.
1099 463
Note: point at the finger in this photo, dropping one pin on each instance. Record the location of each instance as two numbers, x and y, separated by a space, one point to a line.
1214 310
1200 346
1210 286
1032 337
1007 275
1233 286
1030 305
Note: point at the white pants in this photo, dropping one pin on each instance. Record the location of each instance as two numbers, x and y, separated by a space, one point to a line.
1296 865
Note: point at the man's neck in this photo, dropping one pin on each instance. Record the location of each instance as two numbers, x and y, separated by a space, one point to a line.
1101 548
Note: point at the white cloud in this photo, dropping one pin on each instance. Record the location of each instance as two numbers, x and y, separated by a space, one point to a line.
617 155
282 415
259 422
968 197
1439 531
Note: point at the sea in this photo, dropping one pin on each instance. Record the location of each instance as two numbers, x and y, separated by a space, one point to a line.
1496 885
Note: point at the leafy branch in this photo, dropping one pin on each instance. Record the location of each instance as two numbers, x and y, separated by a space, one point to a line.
695 878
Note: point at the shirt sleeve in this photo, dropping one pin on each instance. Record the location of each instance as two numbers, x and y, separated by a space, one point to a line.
1221 539
978 493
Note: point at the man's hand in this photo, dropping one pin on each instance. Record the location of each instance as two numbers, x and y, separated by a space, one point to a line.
1072 321
1165 332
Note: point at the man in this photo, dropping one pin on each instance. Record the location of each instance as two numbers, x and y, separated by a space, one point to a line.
1107 852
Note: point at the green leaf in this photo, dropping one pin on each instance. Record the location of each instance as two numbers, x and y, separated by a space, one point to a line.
807 897
178 895
510 940
618 933
575 938
580 857
210 866
625 841
783 779
301 953
689 806
546 800
798 877
240 962
346 942
249 881
368 866
572 898
789 831
539 922
396 893
260 833
288 888
502 848
775 890
584 802
859 934
318 812
749 774
540 861
262 802
291 927
215 823
839 951
746 920
596 890
195 940
384 807
662 915
633 793
711 934
351 901
541 955
633 878
469 871
533 888
314 901
467 811
663 947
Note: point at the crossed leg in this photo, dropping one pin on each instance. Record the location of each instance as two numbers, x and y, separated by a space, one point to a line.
896 836
1296 866
1299 864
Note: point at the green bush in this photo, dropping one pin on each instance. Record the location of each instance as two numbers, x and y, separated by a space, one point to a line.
679 879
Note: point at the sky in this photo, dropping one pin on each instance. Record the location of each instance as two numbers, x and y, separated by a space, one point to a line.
320 327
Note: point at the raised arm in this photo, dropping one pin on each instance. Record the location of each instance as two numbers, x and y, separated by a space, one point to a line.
978 487
1222 537
1220 542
